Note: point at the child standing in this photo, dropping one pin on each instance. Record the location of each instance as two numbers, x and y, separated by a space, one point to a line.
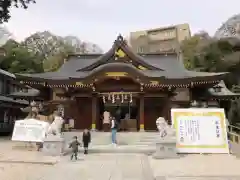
74 145
86 139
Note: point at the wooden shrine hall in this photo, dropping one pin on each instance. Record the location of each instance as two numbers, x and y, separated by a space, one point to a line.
143 86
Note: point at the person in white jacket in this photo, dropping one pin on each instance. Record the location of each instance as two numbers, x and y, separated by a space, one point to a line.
114 131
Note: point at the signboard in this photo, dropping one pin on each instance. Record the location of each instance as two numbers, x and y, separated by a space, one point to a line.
200 130
29 130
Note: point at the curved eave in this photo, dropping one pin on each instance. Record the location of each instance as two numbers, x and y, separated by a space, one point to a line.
113 67
210 77
5 99
162 78
194 79
226 97
223 94
7 74
28 77
32 93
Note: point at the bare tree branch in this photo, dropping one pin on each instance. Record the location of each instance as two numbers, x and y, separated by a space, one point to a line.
5 5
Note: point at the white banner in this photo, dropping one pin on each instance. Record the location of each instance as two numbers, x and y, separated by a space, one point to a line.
200 130
29 130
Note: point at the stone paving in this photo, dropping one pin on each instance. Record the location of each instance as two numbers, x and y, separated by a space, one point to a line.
199 167
127 167
92 167
120 166
199 178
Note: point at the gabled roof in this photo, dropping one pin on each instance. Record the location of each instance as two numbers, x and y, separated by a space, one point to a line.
164 66
11 100
8 74
223 93
119 46
29 94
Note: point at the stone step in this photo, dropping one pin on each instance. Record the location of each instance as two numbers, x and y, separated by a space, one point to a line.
120 141
149 150
123 138
144 143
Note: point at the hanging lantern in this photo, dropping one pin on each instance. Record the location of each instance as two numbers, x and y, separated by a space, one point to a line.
125 97
104 99
130 98
113 98
122 98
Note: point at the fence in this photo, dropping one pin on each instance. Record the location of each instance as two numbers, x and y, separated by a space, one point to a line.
234 134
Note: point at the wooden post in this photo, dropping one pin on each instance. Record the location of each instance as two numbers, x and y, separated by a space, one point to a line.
94 111
168 106
141 111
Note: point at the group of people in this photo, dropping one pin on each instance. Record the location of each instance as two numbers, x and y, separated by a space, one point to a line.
86 139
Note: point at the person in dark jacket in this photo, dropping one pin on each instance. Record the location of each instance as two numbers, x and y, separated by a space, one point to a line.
74 145
86 139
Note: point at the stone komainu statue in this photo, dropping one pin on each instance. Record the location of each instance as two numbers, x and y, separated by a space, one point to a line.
162 127
56 126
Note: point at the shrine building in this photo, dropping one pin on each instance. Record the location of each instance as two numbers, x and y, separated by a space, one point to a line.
145 86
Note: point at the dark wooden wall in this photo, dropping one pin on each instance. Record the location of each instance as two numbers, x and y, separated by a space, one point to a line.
153 108
81 111
113 85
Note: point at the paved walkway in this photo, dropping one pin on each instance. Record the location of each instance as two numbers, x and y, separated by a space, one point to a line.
92 167
117 167
235 149
199 167
128 167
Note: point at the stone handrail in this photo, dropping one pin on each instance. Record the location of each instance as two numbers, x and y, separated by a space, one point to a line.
234 134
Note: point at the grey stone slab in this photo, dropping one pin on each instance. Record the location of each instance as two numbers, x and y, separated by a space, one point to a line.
53 146
198 178
99 167
165 149
147 172
90 167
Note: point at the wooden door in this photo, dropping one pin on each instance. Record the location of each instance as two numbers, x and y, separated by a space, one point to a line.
153 109
83 113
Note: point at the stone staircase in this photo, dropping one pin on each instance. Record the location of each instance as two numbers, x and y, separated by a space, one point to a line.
123 138
128 142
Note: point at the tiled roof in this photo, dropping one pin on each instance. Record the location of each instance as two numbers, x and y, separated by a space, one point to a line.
170 65
30 93
5 73
224 91
11 100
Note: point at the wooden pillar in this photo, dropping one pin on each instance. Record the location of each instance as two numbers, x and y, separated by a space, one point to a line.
141 111
168 110
94 111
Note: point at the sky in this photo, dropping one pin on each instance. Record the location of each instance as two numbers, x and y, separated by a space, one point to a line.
100 21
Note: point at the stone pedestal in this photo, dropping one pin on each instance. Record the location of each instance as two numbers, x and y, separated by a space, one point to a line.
165 149
53 146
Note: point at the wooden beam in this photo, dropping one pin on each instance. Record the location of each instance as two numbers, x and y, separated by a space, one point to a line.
82 95
94 111
155 95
